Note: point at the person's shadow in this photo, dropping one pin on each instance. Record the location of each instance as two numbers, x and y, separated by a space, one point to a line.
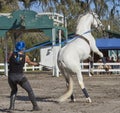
41 99
26 98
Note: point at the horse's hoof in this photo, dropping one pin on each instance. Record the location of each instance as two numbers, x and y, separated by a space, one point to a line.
88 100
91 72
60 100
106 68
73 100
10 111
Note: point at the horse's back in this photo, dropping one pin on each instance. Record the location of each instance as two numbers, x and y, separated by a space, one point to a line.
74 52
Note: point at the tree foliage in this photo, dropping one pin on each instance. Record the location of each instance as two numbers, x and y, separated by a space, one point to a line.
108 11
7 6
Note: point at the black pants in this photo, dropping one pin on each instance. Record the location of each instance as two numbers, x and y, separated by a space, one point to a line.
15 79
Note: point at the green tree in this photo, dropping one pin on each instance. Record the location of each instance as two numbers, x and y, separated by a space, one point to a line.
7 6
71 10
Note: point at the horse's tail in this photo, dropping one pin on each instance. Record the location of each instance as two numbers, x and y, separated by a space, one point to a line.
69 91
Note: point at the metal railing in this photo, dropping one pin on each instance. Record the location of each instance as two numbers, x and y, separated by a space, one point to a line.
58 19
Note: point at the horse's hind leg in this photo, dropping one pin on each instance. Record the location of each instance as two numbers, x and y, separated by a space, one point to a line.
69 83
81 83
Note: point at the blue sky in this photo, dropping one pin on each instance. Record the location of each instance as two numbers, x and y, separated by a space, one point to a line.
37 8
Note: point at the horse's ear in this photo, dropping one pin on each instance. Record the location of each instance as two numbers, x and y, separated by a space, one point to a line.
90 11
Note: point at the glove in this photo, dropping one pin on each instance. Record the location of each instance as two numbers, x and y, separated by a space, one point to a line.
37 64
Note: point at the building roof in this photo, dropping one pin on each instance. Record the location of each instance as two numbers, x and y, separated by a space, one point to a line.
108 43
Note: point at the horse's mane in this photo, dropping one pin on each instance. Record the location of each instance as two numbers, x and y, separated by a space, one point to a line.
81 15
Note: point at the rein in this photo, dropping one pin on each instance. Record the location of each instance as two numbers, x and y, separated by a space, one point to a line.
82 37
88 31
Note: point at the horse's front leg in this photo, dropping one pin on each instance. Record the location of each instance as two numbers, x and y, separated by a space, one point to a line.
104 62
91 65
96 50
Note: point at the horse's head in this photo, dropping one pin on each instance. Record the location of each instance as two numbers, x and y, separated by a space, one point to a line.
96 21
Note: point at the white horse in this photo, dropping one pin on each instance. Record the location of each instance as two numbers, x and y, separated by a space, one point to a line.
70 56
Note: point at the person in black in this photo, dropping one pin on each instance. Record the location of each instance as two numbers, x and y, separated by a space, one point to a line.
15 75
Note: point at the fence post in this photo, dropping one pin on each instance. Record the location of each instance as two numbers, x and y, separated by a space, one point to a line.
6 56
25 67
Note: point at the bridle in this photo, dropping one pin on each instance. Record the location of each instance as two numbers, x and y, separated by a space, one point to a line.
95 16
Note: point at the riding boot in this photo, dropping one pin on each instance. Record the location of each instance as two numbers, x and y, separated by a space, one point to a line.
12 102
36 108
33 100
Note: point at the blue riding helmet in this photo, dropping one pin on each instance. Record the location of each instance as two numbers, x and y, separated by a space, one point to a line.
20 46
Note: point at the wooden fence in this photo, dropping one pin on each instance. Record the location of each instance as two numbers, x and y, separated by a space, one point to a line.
115 67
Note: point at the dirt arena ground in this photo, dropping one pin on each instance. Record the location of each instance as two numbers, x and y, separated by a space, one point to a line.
104 91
